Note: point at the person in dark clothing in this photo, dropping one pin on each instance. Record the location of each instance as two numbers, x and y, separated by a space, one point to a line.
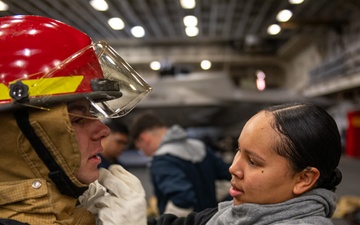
183 170
114 144
279 174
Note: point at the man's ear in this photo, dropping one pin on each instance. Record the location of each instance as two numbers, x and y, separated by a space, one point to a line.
306 180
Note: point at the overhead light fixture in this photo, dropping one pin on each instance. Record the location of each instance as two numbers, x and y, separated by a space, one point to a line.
3 6
260 81
187 4
205 64
284 15
190 21
260 84
99 5
252 40
192 31
296 1
260 74
155 65
116 23
274 29
138 31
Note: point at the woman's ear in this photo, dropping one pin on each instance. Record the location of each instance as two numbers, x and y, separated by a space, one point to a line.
306 180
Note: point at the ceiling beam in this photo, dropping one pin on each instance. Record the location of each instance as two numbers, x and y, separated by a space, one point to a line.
239 32
189 54
229 18
164 20
149 17
213 18
259 19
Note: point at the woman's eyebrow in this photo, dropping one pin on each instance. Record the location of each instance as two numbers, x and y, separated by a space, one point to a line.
255 155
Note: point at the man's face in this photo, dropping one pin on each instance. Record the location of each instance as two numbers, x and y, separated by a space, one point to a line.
115 144
148 142
89 132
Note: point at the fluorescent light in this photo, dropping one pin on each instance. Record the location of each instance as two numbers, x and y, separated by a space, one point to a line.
260 81
274 29
296 1
260 84
190 21
284 15
191 31
116 23
3 6
99 5
155 65
138 31
187 4
260 74
205 64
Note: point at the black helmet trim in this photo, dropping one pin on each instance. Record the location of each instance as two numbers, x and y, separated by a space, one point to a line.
46 102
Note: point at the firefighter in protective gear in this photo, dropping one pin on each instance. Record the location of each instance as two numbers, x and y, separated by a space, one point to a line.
55 84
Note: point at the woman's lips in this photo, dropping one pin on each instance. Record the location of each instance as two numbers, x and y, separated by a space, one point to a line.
235 192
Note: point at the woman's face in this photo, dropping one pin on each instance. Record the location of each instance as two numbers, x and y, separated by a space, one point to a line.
89 132
259 174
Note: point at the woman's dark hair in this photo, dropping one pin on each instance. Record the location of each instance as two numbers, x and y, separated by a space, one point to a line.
310 138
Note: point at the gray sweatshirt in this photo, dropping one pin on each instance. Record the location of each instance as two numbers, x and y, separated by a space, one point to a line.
314 207
177 143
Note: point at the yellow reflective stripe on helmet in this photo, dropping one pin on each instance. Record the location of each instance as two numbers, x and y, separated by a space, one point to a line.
46 86
53 85
4 92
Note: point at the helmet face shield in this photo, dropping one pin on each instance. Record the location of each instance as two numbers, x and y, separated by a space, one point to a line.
119 77
96 73
132 87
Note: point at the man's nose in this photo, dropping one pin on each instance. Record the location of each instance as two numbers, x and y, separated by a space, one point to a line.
102 130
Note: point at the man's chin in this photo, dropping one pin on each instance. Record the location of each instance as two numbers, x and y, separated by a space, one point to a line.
89 177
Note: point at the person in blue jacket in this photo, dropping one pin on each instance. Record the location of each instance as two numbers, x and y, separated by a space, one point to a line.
284 172
183 170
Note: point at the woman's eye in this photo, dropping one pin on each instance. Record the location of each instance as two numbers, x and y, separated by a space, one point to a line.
252 162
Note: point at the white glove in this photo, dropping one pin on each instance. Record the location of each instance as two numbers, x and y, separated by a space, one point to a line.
93 193
126 203
116 198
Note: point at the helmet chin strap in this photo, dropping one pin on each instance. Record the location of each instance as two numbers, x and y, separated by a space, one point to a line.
57 175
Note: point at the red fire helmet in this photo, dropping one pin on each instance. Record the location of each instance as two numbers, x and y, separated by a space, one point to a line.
44 61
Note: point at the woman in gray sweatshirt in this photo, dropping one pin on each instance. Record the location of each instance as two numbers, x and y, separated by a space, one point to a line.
284 172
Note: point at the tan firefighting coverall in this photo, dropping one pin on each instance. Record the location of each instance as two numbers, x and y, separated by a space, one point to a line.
26 192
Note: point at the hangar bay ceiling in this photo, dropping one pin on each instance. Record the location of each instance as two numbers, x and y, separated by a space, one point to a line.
232 34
